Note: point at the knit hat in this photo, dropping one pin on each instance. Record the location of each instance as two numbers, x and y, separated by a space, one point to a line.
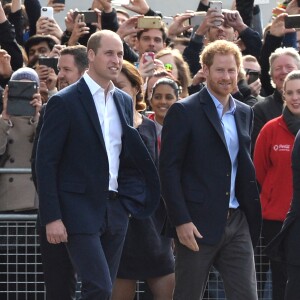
25 73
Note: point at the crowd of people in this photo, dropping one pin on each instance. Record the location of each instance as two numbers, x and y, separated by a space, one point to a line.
155 153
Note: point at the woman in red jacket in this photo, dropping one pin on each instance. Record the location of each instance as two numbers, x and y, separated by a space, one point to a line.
272 160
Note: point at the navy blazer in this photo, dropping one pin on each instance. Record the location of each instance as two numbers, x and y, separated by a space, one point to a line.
195 168
72 165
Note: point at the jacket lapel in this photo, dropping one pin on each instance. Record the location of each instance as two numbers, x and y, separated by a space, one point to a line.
87 101
211 113
241 123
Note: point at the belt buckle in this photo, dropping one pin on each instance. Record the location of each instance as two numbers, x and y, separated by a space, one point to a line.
230 212
112 195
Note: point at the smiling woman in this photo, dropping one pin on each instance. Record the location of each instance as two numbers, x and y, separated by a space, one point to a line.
272 160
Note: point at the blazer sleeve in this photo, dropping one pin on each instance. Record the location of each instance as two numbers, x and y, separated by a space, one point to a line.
174 143
49 152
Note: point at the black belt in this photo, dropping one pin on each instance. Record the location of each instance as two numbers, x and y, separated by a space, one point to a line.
112 195
231 211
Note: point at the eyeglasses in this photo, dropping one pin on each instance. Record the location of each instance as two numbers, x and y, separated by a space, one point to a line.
169 67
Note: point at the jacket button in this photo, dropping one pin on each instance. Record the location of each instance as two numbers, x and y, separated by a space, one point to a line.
227 193
10 179
10 141
12 160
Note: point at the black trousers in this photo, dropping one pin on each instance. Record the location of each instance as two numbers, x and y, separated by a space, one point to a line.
269 230
59 273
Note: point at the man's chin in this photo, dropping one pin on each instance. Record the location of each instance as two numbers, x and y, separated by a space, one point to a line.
63 85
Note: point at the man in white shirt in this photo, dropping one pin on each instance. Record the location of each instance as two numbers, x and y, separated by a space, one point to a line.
93 168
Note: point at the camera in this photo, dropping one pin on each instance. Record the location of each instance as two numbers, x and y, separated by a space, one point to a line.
89 16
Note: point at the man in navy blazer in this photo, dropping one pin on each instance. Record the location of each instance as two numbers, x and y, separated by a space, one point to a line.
93 169
208 182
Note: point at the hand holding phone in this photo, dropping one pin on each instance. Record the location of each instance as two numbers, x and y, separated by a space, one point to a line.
148 56
217 6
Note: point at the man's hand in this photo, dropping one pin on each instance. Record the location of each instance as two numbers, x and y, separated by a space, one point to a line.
255 87
212 17
278 26
234 19
5 66
138 6
186 234
56 232
36 102
179 25
129 27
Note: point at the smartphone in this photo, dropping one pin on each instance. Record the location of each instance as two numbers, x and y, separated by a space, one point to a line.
148 56
252 76
292 21
50 62
197 19
167 21
47 12
216 5
120 2
20 94
59 1
149 22
89 16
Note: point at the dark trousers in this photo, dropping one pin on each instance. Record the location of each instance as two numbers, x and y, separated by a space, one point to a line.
96 257
59 273
233 257
292 291
269 230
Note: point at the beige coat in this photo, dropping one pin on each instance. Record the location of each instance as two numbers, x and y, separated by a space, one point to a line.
17 191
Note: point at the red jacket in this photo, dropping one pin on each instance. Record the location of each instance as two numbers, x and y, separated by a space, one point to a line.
272 161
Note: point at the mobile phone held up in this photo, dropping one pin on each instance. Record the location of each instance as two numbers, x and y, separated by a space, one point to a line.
149 22
20 94
252 76
89 16
120 2
148 56
47 12
50 62
216 5
197 19
292 21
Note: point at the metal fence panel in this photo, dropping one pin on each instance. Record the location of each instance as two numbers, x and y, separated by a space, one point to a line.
21 274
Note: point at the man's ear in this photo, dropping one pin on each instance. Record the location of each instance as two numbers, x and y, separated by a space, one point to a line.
205 70
236 35
91 55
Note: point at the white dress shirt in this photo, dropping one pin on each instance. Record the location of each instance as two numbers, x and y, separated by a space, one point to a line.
232 140
110 125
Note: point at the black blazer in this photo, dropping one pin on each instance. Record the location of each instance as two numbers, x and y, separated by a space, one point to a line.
72 165
195 168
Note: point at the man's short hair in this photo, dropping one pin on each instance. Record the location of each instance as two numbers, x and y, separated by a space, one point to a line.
290 51
37 39
163 30
123 12
79 52
222 47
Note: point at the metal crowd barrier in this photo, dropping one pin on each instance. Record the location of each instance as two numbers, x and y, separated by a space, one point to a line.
21 274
